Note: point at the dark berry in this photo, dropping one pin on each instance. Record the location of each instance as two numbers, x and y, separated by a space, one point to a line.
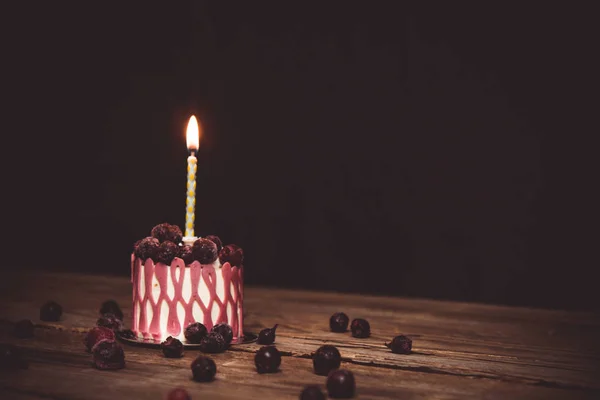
108 354
339 322
24 329
267 335
128 334
225 330
11 357
167 251
360 328
326 359
51 311
179 394
185 253
97 334
400 345
172 348
312 392
216 240
167 232
111 307
160 232
110 321
205 251
232 254
175 234
195 332
204 369
341 384
267 359
214 342
146 248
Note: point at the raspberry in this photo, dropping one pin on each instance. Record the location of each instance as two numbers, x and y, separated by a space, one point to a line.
267 359
108 354
205 251
400 345
216 240
232 254
97 334
167 232
204 369
225 330
360 328
326 359
185 253
146 248
341 384
166 252
110 321
195 332
172 348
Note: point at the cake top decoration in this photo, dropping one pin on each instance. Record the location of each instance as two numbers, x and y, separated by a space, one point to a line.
165 243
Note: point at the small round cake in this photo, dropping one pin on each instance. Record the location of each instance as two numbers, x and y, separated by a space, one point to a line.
177 284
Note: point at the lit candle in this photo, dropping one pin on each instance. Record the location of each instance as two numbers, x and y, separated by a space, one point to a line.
192 139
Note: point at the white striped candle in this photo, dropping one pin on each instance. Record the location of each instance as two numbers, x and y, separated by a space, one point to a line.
192 138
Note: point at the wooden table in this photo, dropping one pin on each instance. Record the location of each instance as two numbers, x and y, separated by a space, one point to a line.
459 350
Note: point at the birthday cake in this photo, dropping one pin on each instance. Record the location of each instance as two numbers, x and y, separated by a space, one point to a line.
177 284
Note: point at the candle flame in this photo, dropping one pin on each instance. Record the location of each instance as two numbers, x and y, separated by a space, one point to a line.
193 134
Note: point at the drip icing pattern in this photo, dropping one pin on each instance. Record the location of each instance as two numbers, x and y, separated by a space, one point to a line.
158 285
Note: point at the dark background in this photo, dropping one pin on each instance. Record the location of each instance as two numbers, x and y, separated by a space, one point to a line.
439 150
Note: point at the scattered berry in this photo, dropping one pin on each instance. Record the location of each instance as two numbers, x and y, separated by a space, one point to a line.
225 330
110 321
128 334
167 232
216 240
146 248
312 392
204 369
400 345
166 252
108 354
24 329
11 357
339 322
267 335
326 359
50 311
214 342
267 359
360 328
172 347
232 254
179 394
111 307
97 334
205 251
185 253
341 384
195 332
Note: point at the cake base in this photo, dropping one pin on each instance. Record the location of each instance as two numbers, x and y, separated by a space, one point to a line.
248 338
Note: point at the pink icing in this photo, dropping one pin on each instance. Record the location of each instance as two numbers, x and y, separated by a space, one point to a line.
198 273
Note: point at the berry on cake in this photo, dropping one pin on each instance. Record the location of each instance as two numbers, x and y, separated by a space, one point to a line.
176 284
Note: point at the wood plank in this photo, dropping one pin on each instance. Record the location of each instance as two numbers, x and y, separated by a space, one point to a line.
540 347
61 369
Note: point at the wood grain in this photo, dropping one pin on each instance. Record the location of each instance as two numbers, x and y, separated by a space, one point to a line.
460 349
